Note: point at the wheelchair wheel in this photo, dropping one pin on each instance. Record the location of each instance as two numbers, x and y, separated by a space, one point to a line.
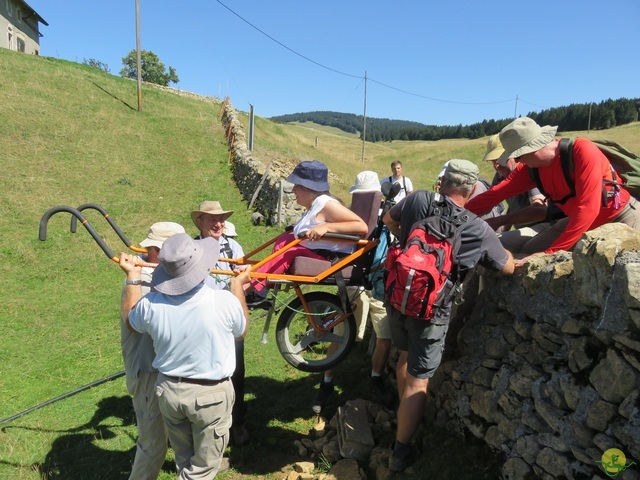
298 342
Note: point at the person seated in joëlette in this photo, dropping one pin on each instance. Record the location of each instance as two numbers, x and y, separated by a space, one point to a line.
324 214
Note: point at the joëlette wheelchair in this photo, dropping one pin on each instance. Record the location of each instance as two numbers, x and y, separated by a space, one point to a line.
316 329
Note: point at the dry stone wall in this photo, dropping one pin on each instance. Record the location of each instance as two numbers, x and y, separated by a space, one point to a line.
548 364
250 174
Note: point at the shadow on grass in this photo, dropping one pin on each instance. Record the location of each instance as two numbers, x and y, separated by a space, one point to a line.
280 413
113 96
78 454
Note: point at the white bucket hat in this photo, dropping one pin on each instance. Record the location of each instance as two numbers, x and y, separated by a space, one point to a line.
524 136
229 229
366 181
184 263
159 232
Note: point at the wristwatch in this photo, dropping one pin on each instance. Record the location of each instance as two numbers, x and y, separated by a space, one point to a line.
133 282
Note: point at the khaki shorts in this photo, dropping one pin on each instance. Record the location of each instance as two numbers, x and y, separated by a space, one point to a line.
422 340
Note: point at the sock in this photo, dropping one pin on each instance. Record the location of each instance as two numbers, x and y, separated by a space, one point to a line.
327 379
375 374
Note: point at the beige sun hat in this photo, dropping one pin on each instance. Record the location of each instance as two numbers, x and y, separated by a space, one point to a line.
159 232
494 149
212 208
524 136
366 181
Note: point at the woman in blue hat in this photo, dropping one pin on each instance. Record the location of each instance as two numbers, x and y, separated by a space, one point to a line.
325 214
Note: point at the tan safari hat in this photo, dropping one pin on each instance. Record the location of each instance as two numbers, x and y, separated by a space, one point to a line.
212 208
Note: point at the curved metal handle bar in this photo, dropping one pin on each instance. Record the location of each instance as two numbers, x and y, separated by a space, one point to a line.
76 213
115 227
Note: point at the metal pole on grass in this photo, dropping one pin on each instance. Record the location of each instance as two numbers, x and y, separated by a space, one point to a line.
139 60
63 396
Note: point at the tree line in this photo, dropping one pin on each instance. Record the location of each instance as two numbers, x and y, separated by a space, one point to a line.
607 114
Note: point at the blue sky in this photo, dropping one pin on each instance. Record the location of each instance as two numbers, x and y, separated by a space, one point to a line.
435 62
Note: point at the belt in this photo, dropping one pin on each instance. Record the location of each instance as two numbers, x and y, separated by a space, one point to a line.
196 381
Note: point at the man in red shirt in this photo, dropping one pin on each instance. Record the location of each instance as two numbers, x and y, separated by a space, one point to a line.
533 146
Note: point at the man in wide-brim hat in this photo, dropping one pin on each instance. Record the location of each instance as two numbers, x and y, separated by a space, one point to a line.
527 212
193 329
210 218
591 202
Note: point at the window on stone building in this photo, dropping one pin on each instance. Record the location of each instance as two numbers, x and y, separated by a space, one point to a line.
22 47
9 4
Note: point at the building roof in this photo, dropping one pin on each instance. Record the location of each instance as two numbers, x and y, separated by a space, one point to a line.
30 12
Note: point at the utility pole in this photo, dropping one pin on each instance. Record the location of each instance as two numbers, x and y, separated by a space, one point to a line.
251 125
515 110
589 124
139 60
364 116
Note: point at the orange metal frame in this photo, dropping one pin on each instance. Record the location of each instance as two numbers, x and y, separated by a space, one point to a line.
363 246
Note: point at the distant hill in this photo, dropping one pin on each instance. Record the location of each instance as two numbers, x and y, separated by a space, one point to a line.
606 114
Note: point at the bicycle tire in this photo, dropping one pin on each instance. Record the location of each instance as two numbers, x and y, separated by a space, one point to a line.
297 340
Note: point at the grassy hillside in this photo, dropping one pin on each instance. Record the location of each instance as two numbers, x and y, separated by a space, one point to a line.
72 135
422 161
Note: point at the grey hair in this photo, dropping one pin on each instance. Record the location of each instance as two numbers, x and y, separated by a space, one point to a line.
450 186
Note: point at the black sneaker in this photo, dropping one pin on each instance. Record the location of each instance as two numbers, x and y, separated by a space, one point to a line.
381 391
398 462
256 301
326 389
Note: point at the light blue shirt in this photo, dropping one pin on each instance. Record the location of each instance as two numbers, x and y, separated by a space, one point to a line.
193 334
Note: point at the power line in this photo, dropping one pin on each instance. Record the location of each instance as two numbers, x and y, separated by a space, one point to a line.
438 99
406 92
284 46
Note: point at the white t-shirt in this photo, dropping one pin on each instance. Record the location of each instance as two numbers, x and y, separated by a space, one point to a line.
309 221
405 184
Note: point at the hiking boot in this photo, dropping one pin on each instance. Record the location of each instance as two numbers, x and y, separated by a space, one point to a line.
326 389
381 391
256 301
239 435
399 461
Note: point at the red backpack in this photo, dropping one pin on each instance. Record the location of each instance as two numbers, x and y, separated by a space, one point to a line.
418 273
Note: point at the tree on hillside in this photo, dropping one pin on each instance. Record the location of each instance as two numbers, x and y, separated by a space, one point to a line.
153 70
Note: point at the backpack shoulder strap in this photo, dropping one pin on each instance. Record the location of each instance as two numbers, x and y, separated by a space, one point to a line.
534 174
566 162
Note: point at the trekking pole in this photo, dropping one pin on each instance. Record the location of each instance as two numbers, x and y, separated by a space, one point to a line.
108 218
63 396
